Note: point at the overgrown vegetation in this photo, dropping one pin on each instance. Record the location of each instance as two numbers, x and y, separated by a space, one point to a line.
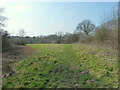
65 66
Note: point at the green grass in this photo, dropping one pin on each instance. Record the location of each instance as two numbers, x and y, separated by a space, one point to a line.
64 66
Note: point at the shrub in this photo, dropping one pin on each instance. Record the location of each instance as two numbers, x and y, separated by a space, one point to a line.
6 41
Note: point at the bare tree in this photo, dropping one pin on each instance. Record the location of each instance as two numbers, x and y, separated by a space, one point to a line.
4 36
2 19
22 33
85 27
60 33
110 20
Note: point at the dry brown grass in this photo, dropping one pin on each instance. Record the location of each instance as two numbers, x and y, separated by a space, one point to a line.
10 57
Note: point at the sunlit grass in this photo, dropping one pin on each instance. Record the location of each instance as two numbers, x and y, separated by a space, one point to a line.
65 65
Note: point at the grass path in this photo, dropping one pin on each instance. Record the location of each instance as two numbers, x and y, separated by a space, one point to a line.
65 66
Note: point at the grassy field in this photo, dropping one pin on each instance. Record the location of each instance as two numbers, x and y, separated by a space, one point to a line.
65 66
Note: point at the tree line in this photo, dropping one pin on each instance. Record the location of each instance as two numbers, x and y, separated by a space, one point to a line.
86 32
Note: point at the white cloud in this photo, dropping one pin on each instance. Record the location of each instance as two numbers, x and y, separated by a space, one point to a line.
23 8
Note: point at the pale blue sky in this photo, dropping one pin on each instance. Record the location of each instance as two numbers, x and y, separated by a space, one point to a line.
38 18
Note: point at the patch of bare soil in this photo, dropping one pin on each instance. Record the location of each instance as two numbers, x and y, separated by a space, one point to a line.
10 57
